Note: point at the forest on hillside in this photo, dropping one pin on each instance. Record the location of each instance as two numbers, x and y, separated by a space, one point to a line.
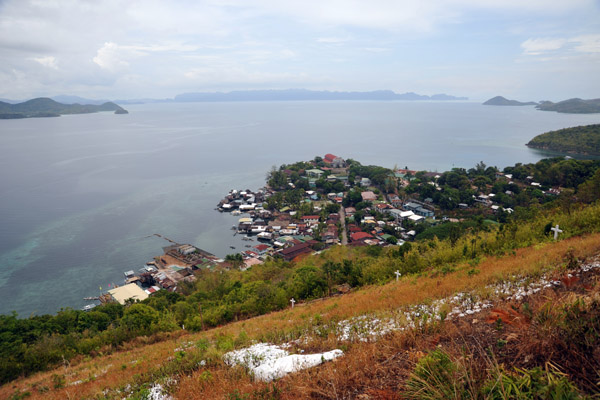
577 140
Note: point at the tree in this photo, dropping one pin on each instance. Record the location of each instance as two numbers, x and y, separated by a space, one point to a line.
391 240
139 317
235 259
589 191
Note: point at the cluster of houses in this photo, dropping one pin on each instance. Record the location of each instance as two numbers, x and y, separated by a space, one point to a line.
177 264
288 234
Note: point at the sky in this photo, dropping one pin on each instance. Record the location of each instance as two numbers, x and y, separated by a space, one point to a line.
126 49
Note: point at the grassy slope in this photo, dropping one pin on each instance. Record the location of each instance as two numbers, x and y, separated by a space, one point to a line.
88 378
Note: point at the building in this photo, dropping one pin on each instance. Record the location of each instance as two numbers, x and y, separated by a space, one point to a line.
310 219
368 196
358 236
186 249
290 253
418 209
334 161
130 291
314 173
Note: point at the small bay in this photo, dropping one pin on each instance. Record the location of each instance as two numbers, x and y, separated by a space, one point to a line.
82 195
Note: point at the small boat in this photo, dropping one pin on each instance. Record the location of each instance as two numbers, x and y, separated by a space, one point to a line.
232 247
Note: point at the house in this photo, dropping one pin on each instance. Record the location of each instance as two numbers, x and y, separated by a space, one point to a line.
350 211
394 200
310 219
358 236
186 249
365 182
297 250
418 209
398 214
126 292
382 207
250 262
368 196
261 249
422 211
335 161
314 173
416 218
328 158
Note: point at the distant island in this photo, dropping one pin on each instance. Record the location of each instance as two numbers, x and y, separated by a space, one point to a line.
45 107
572 106
502 101
583 140
304 94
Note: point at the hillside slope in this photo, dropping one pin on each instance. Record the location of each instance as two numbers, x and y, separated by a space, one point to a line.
577 140
504 312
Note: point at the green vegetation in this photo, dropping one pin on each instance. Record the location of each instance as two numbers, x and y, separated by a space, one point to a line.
577 140
221 296
45 107
572 106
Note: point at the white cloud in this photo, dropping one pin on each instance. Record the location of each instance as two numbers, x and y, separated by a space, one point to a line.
541 45
48 61
587 43
109 57
580 44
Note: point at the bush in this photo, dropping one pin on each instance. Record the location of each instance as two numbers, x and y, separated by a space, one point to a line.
437 377
532 384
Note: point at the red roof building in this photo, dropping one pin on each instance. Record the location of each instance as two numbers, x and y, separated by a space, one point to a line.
360 236
329 158
292 252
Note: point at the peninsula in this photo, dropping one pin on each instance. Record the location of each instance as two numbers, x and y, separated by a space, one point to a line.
583 140
572 106
45 107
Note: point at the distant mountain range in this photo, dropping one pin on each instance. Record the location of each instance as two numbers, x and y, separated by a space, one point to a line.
304 94
571 106
45 107
261 95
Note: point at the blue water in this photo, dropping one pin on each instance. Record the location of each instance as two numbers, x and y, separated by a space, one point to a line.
81 195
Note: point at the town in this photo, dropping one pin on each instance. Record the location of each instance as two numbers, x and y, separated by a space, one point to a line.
307 207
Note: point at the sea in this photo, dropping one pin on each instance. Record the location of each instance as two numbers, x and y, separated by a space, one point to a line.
81 196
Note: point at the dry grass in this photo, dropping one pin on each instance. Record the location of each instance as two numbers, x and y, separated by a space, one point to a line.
366 369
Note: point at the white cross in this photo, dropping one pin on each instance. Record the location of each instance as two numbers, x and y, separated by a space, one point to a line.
293 302
398 274
556 231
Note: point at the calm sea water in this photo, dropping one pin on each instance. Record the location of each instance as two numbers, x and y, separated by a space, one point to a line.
80 195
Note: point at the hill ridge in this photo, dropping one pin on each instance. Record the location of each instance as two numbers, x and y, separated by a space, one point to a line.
47 107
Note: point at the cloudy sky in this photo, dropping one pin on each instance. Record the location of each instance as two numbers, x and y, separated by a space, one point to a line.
524 49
